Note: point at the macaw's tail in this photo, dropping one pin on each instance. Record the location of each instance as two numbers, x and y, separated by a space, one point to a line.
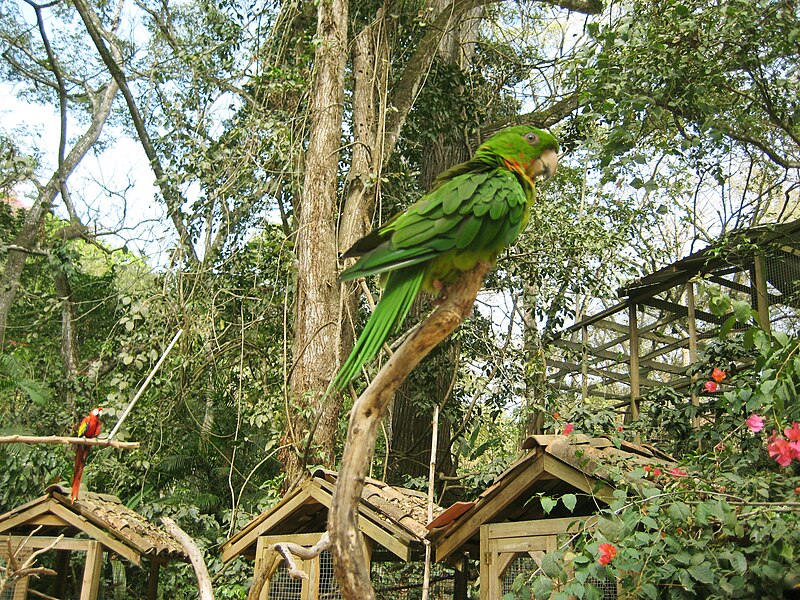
402 286
80 461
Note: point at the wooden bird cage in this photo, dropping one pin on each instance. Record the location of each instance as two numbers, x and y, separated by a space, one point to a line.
392 522
507 529
97 525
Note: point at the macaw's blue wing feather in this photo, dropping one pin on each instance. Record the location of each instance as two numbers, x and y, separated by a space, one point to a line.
402 287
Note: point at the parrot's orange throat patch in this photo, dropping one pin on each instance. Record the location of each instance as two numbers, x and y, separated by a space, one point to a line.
520 169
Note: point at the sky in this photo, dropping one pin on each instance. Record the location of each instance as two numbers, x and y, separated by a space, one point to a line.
113 190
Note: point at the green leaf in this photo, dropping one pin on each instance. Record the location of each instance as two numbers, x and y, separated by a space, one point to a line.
741 310
679 511
542 588
569 500
701 573
548 504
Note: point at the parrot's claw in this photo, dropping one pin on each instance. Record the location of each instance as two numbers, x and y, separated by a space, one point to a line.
441 291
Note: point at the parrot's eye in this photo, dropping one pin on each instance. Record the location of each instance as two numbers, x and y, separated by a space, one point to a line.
532 138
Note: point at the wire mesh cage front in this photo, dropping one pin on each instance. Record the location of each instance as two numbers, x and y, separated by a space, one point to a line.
283 587
404 581
328 586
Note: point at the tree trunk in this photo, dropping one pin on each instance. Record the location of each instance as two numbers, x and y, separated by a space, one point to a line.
317 320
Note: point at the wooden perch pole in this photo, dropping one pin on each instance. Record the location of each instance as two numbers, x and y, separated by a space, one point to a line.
350 563
145 384
58 439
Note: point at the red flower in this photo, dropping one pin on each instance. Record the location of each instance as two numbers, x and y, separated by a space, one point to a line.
718 375
781 450
755 423
619 428
607 552
656 472
678 472
793 432
568 429
647 468
555 415
711 386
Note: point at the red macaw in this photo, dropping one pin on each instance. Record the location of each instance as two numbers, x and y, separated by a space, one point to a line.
89 427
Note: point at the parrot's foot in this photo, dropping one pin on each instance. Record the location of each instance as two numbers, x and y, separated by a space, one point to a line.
441 291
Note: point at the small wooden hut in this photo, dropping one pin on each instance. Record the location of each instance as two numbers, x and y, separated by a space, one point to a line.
97 524
507 530
392 522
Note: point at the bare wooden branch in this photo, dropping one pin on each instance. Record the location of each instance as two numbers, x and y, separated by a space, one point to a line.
58 439
200 569
350 563
288 551
12 571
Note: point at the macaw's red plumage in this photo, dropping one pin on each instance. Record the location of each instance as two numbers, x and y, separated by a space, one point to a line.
89 427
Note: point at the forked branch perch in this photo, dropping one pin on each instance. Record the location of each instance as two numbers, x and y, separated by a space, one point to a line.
349 561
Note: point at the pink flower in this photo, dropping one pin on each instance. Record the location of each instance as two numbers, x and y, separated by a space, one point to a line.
718 375
607 553
656 472
568 429
755 423
793 432
781 450
678 472
711 386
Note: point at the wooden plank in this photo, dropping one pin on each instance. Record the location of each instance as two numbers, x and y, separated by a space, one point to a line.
386 533
98 534
620 357
92 569
301 539
376 532
578 479
232 549
540 527
38 542
635 374
681 311
691 324
383 519
485 564
484 511
152 578
762 297
24 516
607 373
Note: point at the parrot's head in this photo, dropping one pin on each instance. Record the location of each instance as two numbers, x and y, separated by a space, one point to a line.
526 150
97 411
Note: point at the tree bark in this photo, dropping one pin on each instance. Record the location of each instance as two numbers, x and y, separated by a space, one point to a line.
317 321
350 563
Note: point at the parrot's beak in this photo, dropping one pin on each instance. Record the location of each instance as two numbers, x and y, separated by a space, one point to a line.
545 165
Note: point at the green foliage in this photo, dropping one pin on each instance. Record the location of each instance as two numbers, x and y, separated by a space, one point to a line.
730 529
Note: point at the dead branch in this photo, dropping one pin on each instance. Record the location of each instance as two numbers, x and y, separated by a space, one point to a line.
12 571
350 564
200 569
288 551
58 439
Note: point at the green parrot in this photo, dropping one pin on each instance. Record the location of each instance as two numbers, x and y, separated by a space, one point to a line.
474 211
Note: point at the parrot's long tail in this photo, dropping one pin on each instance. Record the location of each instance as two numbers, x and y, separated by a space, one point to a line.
80 461
401 288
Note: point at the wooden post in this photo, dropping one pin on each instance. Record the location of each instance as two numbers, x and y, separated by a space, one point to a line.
762 297
633 330
584 363
92 571
152 579
460 579
692 327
